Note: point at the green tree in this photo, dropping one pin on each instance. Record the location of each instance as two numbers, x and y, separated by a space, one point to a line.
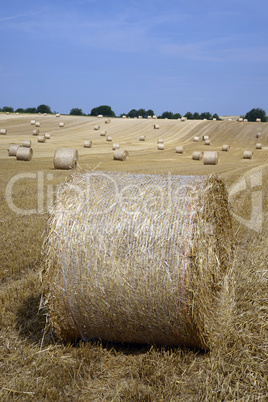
215 116
8 109
142 112
196 116
176 116
30 110
43 109
167 115
132 113
256 113
189 115
76 112
19 110
150 112
205 115
104 110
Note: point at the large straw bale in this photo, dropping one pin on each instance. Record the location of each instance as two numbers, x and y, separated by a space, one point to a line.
197 155
24 154
160 147
65 158
115 146
36 132
210 158
120 155
3 131
27 143
225 148
247 155
139 258
32 122
196 139
258 145
180 149
87 144
12 149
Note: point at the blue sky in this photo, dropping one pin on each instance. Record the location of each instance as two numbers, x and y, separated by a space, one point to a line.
165 55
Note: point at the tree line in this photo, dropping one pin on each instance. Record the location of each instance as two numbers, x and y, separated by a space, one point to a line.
107 111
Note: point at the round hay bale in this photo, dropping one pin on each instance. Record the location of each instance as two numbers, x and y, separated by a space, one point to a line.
205 137
160 141
107 121
61 124
47 136
140 258
207 142
258 120
57 114
103 133
96 127
115 146
142 138
3 131
210 158
24 154
258 135
100 116
258 145
180 149
197 155
27 143
247 155
120 155
240 119
37 124
36 132
12 150
109 138
160 147
196 139
225 148
87 144
154 116
245 120
65 158
41 138
156 126
32 122
183 118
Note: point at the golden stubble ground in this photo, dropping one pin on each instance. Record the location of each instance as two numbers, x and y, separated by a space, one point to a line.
34 365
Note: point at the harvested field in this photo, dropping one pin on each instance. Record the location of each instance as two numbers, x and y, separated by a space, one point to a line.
34 363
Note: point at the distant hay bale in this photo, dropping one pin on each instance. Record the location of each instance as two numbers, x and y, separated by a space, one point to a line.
65 158
214 119
183 118
156 126
7 113
27 143
247 155
196 139
258 135
57 114
61 124
240 119
140 259
103 133
115 146
210 158
36 132
142 138
96 127
41 138
205 137
245 120
160 141
258 145
140 117
225 148
37 124
149 117
47 136
24 154
3 131
120 155
32 122
197 155
154 116
107 121
258 120
180 149
109 138
12 150
87 144
100 116
207 142
124 117
160 147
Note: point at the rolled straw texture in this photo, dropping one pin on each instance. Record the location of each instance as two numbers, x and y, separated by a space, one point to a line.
12 150
65 158
180 149
24 154
26 143
139 258
211 158
120 154
3 131
160 147
247 155
225 148
197 155
87 144
258 145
